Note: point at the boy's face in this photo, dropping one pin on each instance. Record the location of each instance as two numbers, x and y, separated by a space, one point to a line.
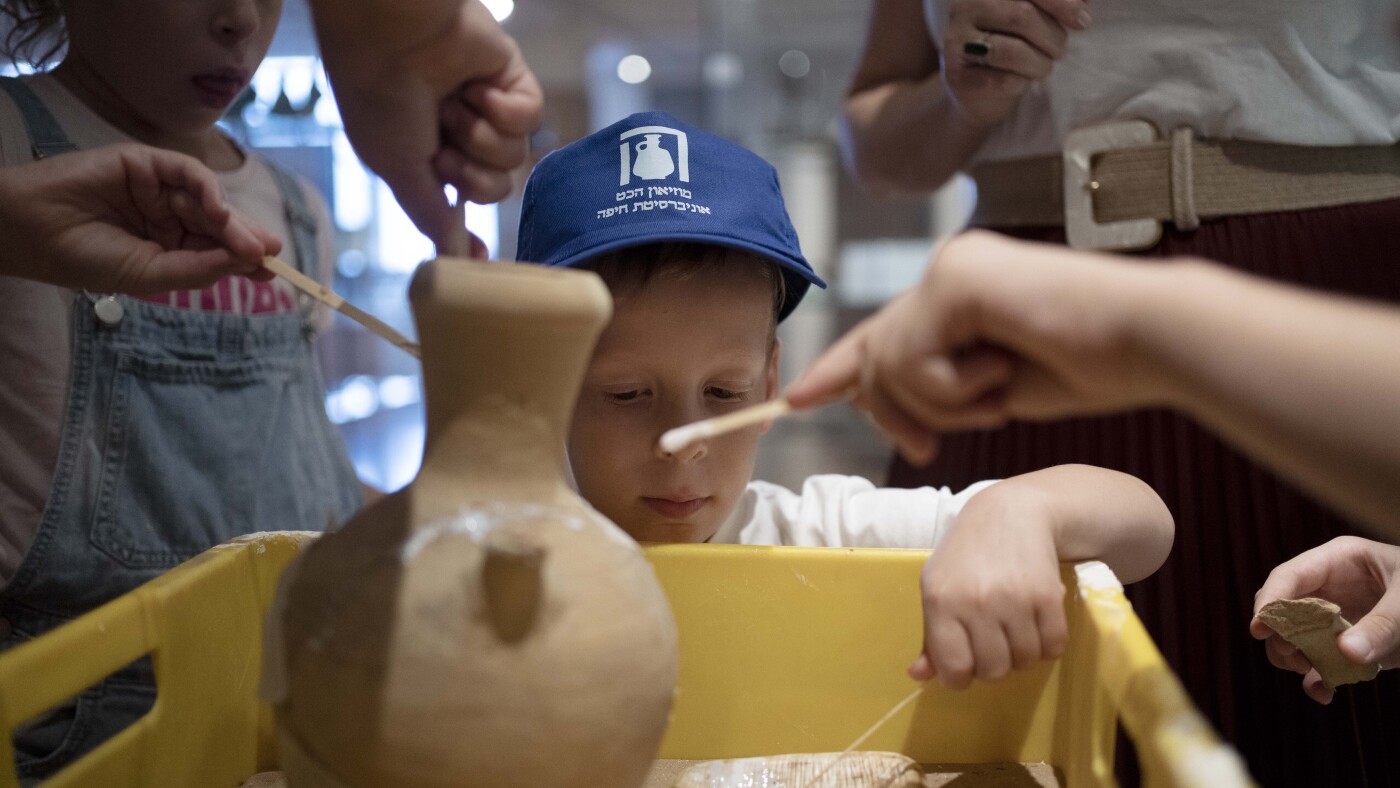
676 351
167 67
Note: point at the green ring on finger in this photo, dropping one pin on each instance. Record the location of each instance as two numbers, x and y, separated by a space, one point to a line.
979 51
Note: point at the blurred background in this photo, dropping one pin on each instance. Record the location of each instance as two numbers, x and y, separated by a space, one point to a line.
768 74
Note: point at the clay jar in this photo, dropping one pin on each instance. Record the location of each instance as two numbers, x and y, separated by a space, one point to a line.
483 626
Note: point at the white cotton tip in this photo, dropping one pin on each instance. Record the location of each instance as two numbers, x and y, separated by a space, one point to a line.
674 440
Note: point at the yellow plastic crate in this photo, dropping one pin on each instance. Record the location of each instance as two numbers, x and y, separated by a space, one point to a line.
782 650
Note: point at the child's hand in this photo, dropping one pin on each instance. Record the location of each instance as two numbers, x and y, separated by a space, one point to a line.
125 219
1360 576
993 598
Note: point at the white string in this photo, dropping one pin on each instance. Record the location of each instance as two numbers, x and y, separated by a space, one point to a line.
868 733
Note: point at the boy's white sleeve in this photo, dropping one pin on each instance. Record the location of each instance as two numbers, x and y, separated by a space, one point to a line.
848 511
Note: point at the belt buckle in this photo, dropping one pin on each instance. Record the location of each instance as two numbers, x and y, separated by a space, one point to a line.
1081 145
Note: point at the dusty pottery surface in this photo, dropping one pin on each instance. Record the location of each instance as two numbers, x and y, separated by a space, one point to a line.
1313 625
865 770
483 626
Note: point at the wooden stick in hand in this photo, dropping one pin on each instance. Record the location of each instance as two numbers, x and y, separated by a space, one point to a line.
674 440
329 297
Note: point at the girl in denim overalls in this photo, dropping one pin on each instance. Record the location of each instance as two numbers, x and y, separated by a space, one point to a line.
136 433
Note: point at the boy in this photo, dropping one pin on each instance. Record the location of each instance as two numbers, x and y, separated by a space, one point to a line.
692 237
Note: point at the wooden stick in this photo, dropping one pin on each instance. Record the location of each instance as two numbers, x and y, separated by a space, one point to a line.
868 733
674 440
459 239
328 297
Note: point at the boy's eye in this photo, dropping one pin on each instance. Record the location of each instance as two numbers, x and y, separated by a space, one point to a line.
625 396
724 394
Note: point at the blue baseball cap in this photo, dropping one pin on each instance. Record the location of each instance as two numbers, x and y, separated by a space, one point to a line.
652 179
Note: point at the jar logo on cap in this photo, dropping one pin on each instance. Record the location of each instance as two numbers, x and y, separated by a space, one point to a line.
653 162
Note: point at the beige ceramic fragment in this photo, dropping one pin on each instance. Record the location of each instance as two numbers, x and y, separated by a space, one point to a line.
266 780
855 770
1313 625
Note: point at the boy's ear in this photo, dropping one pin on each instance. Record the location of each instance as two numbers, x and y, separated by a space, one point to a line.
770 380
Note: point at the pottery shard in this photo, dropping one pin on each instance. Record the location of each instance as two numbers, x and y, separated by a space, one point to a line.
855 770
1312 625
266 780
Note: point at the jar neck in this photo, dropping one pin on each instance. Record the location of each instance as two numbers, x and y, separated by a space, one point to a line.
504 351
496 449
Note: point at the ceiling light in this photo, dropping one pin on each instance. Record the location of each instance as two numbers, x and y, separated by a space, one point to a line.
795 63
501 9
633 69
723 69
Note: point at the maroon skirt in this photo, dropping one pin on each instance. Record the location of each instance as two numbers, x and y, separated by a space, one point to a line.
1235 520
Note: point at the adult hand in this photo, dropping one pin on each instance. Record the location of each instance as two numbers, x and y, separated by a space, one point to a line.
994 50
1361 577
124 219
997 329
431 99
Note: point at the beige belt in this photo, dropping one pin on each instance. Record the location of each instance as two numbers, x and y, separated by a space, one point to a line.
1114 184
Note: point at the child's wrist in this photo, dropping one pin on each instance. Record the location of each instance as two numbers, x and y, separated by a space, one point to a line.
1025 504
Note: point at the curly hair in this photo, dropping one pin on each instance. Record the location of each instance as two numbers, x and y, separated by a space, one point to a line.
36 33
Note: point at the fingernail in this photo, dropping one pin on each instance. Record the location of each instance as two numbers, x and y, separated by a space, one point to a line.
1084 18
1357 643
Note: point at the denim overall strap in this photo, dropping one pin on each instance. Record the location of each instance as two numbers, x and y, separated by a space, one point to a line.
46 137
182 429
302 225
301 222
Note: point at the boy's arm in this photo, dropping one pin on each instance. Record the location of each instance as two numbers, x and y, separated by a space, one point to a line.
1100 515
992 595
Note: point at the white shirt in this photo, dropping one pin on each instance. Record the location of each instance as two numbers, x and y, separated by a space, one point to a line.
1301 72
843 511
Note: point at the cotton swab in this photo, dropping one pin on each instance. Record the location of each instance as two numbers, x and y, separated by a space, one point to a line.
329 297
674 440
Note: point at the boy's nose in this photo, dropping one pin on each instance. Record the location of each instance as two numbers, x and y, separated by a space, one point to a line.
688 453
